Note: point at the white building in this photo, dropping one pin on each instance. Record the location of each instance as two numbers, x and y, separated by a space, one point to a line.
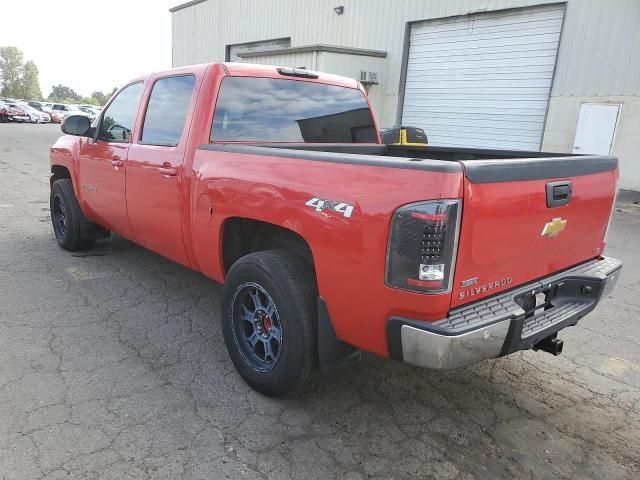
517 74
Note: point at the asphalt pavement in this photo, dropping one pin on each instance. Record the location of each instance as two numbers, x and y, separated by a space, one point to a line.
112 365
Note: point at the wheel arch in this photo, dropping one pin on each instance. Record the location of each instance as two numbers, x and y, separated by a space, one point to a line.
241 236
58 172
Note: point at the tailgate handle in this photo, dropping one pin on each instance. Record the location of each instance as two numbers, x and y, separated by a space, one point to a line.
558 193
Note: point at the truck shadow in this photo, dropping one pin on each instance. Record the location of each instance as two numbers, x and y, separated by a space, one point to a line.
527 415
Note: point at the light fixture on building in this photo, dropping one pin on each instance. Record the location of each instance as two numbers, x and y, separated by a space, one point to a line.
339 10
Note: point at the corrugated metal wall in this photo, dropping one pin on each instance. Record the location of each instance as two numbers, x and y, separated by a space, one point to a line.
592 59
305 59
600 49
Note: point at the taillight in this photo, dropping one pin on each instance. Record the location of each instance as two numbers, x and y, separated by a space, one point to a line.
422 246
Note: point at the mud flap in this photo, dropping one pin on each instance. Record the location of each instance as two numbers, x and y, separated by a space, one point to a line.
332 352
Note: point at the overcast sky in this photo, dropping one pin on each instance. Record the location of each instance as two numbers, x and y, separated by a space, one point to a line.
89 45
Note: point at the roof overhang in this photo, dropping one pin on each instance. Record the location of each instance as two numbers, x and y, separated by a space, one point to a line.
186 5
316 48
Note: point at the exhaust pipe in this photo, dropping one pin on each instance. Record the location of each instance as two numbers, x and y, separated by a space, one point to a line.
551 344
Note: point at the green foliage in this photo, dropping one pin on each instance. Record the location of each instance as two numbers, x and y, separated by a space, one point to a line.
19 79
89 101
63 94
99 97
102 98
30 82
11 65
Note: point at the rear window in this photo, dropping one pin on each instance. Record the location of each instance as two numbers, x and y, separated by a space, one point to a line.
278 110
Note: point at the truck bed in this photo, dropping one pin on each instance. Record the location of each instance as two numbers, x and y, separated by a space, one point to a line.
479 165
509 201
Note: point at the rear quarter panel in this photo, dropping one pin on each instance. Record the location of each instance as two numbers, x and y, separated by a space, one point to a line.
349 253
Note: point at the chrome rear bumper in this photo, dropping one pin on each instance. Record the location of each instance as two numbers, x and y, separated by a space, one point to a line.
499 325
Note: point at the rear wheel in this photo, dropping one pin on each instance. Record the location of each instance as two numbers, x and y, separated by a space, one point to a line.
269 321
67 217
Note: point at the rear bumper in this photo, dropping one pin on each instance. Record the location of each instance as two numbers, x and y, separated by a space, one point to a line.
499 325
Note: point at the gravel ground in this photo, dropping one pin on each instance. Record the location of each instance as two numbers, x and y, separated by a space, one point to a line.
112 366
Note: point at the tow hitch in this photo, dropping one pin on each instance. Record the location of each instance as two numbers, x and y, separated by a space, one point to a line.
551 344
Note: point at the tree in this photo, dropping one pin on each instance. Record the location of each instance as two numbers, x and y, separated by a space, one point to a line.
11 68
62 93
100 97
89 101
18 79
30 83
103 98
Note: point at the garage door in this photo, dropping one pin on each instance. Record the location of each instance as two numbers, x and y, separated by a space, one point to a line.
483 80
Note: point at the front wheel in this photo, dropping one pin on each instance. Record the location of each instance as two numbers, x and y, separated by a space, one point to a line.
67 217
269 321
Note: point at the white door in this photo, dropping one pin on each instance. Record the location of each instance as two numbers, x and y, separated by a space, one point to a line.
483 80
596 128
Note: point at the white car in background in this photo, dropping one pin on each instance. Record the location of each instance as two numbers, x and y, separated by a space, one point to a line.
65 109
90 111
35 115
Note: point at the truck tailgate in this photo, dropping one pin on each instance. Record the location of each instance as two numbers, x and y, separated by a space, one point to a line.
524 219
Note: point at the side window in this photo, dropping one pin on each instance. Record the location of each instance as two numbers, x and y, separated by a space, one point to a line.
118 118
167 111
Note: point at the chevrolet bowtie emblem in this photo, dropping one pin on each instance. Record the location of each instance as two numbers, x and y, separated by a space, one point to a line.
554 227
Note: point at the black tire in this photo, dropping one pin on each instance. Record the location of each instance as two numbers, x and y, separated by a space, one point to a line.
289 282
67 217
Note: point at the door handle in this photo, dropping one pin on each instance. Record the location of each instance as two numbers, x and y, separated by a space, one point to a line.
116 161
168 171
559 193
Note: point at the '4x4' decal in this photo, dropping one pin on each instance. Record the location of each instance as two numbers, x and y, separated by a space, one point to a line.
340 207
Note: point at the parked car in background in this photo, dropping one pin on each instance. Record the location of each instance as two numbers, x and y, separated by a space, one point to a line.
56 116
36 105
14 113
40 116
3 111
35 116
60 107
91 112
43 117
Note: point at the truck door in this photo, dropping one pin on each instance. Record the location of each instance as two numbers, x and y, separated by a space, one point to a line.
155 169
101 166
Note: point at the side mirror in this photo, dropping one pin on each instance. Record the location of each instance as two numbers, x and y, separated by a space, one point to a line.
78 125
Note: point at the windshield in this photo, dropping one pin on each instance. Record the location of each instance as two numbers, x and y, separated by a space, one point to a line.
279 110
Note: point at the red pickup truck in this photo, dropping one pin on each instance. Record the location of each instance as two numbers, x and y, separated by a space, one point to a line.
274 181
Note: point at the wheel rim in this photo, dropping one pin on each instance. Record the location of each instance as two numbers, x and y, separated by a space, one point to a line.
59 217
257 330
